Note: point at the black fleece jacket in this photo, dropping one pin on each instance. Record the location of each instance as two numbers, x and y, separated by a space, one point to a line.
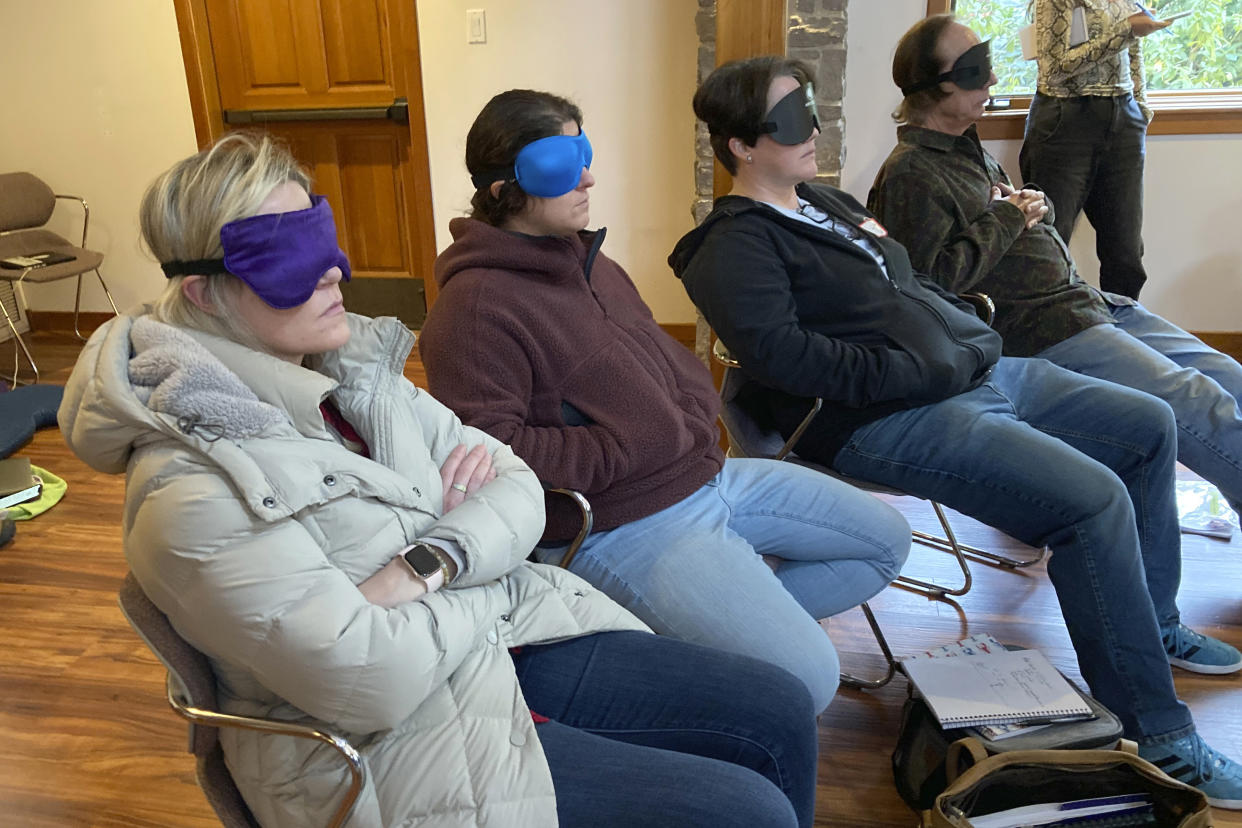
808 313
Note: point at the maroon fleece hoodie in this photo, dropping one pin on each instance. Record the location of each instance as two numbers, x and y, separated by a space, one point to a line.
544 343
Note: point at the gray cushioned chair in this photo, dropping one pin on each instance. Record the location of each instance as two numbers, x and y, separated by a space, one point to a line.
26 205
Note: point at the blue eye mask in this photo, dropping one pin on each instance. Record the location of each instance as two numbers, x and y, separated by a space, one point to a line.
793 118
547 168
281 256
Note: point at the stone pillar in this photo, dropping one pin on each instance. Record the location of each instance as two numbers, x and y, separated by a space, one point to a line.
817 36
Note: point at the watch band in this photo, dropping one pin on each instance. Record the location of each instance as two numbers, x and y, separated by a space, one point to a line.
443 558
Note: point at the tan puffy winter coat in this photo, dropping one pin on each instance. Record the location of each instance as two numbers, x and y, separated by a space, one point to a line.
249 525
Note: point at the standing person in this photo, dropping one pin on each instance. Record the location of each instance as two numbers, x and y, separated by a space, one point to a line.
949 202
813 298
350 557
1086 132
541 340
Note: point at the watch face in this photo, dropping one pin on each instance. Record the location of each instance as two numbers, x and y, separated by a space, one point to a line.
422 560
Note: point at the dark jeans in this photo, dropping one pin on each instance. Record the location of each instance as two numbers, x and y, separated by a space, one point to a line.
1079 464
656 732
1087 155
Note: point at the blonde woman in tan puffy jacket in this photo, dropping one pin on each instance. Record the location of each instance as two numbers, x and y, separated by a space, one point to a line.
350 556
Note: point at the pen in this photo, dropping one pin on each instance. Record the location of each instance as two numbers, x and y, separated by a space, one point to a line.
1047 720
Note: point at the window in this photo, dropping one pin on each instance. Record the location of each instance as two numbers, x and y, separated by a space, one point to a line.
1193 68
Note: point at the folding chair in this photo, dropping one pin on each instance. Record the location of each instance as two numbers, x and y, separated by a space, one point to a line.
26 206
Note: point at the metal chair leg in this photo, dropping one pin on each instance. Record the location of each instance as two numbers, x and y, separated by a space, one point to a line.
946 544
77 301
872 684
19 343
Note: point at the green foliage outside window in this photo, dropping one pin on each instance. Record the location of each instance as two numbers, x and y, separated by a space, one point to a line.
1200 52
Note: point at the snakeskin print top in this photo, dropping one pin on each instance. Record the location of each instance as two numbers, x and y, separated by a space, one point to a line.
1107 64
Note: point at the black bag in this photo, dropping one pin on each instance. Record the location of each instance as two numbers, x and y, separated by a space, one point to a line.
922 746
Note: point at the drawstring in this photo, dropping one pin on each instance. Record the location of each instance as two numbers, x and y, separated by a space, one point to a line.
209 432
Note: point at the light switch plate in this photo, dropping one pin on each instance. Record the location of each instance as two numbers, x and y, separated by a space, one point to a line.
476 26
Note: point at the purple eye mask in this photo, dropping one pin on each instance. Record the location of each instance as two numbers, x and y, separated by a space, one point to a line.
281 256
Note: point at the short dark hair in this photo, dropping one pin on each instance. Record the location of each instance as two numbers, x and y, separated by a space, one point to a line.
733 99
916 61
508 122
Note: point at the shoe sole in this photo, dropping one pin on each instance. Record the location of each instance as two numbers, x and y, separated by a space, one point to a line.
1227 804
1207 669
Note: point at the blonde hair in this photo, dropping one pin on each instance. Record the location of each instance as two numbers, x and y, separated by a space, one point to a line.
182 213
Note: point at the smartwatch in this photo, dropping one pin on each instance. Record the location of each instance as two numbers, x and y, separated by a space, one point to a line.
426 563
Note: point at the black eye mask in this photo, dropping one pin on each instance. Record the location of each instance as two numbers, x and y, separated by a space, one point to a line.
793 118
970 71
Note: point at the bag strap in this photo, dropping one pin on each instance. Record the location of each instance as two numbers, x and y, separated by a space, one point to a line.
953 766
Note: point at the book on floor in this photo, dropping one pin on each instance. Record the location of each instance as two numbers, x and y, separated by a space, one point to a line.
17 482
1006 687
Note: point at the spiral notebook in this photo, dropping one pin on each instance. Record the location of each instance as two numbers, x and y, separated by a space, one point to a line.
1013 686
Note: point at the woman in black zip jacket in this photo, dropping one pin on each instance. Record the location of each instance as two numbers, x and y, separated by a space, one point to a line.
813 299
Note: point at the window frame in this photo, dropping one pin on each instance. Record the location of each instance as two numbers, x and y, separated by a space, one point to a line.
1180 112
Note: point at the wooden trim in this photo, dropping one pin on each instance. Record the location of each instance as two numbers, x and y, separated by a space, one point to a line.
88 321
683 332
746 28
423 228
1228 343
200 75
1173 116
1176 112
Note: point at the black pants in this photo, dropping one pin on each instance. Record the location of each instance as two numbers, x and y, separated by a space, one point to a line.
1087 155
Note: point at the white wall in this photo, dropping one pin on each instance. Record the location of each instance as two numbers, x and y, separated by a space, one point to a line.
1191 201
95 104
629 65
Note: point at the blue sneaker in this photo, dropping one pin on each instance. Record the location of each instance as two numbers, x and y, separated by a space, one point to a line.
1191 761
1198 653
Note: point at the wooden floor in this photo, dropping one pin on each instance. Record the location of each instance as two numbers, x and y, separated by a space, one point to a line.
87 739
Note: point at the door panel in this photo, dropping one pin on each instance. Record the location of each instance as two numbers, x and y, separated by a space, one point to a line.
355 46
279 64
372 194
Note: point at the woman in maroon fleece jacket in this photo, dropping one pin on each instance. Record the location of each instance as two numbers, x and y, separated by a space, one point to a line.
541 340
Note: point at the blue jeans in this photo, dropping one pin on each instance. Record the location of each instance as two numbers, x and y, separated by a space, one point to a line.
1083 466
655 732
1087 155
693 571
1201 384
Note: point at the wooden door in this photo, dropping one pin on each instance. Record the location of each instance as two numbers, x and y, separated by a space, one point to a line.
339 81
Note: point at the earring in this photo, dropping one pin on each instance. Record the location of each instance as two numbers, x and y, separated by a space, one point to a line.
749 160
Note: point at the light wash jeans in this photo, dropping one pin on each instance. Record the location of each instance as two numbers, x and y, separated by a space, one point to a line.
1202 385
1081 465
654 732
693 571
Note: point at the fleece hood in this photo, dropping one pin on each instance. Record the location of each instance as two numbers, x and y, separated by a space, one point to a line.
477 244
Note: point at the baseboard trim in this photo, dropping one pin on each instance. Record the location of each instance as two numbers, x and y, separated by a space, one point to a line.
1227 342
63 320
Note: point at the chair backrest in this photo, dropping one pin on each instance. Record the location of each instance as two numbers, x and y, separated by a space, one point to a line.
25 201
191 677
746 437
